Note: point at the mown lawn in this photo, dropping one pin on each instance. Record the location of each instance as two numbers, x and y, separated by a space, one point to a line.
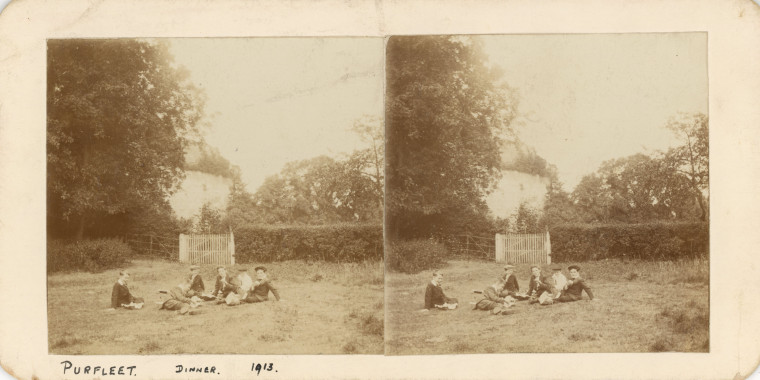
638 307
325 309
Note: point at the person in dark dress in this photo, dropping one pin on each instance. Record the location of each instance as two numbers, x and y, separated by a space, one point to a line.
575 286
121 297
434 296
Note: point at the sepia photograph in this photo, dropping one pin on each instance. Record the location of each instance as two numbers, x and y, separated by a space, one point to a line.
215 195
547 193
343 189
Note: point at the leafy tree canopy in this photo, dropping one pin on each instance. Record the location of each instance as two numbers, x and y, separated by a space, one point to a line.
120 114
320 190
691 159
447 117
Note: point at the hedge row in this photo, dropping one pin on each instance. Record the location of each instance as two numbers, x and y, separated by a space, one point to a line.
415 256
647 241
335 243
87 255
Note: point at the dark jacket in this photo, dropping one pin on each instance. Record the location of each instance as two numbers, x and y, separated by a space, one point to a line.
261 291
120 295
576 287
510 287
223 285
197 286
545 285
434 296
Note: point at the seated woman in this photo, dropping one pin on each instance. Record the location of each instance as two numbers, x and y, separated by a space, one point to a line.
434 297
575 286
492 300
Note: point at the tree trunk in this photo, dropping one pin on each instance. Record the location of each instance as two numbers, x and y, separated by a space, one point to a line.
80 229
703 216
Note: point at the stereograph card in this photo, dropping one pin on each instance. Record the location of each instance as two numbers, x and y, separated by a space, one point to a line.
283 177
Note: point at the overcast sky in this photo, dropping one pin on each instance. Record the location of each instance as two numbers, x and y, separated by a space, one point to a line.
277 100
584 98
587 98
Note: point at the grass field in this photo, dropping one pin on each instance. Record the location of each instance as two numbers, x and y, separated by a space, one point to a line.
638 307
325 309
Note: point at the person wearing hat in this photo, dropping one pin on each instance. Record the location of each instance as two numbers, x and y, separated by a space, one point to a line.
492 301
196 282
511 287
121 297
558 281
262 287
434 296
575 286
538 283
224 285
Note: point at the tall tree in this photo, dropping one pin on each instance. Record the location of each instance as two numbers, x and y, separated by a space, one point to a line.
120 114
447 114
691 159
370 162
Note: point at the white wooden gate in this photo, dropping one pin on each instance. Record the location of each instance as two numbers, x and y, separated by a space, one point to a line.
216 249
524 248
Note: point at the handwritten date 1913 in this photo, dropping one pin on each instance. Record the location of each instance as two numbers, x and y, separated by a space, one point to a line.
258 367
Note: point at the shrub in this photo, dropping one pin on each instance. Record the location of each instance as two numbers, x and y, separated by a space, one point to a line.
333 243
415 255
648 241
87 255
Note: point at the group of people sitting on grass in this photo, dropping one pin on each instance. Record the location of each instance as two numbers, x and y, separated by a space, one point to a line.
191 292
505 292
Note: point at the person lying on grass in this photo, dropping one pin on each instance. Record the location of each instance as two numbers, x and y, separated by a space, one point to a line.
575 286
261 288
558 281
492 300
224 284
121 297
538 284
511 287
434 296
181 300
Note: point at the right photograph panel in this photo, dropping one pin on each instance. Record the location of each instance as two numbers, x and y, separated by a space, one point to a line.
547 193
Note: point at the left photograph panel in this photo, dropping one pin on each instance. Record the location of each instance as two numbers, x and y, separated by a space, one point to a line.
215 196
